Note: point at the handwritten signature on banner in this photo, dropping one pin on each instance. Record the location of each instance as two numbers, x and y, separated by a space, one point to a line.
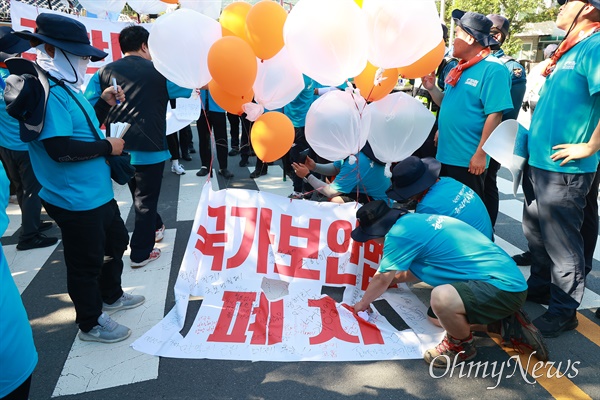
263 265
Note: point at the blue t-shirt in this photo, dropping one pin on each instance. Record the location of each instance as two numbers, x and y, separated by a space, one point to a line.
365 174
18 356
74 186
569 108
452 198
297 109
9 127
440 250
482 90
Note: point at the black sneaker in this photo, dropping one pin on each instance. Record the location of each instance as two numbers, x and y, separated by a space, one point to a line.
203 172
518 331
234 152
225 173
553 325
522 259
256 173
192 150
244 162
37 242
186 157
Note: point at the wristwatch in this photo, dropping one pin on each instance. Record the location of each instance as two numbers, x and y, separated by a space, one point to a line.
305 179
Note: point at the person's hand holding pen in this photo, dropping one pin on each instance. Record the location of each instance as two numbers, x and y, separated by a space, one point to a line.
113 95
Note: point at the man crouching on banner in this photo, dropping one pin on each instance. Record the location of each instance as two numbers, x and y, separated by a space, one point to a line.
477 286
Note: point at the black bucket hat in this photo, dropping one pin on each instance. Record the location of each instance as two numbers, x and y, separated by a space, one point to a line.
375 219
412 176
26 95
499 22
476 25
64 33
10 44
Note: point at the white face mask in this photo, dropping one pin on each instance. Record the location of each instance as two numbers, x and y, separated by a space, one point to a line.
64 66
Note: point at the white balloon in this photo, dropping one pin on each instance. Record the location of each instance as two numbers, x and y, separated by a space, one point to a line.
210 8
327 40
278 81
337 124
179 44
401 32
147 6
399 126
103 6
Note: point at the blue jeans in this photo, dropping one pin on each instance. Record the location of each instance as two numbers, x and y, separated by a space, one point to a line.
87 237
552 220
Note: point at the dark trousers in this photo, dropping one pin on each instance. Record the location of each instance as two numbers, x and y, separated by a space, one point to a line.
491 198
19 170
589 229
179 142
215 121
20 393
552 220
300 144
244 142
462 174
234 131
89 236
145 189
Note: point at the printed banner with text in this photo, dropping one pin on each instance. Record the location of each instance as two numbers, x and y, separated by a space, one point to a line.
278 278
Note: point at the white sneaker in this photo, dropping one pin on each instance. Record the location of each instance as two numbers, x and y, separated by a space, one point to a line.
154 255
159 234
107 331
177 169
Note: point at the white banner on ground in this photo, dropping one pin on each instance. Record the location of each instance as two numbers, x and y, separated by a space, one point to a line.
268 269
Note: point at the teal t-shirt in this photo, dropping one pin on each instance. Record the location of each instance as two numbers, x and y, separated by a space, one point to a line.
569 108
297 109
440 250
9 127
74 186
452 198
482 90
364 174
18 356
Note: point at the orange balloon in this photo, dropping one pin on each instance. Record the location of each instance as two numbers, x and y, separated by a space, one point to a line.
170 1
232 64
424 65
229 102
370 92
233 19
264 28
272 135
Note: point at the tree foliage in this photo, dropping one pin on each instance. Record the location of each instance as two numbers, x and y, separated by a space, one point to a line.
518 12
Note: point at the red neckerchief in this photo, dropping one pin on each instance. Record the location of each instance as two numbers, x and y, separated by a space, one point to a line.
3 65
580 32
456 72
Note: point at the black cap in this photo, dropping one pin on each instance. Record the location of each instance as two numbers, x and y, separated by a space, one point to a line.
10 44
375 219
